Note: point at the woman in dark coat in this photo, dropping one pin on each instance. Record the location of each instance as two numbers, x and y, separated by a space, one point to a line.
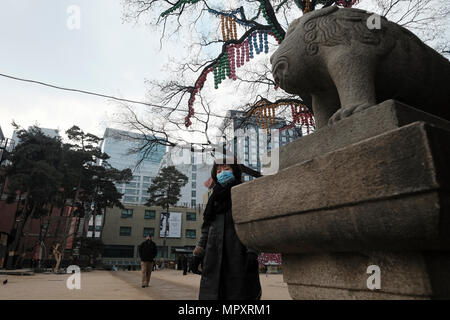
229 269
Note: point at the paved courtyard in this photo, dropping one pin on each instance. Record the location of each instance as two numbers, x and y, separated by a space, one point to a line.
118 285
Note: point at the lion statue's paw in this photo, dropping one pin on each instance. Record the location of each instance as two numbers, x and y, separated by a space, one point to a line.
347 112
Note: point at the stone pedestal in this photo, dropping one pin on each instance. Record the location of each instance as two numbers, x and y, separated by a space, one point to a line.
373 189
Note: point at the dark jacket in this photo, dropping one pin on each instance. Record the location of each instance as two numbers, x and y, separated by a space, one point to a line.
225 272
147 251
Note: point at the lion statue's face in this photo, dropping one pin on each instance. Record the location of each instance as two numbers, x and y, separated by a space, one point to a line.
285 64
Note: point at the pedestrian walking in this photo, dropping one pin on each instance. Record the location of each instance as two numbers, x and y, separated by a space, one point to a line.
189 263
229 269
147 252
184 264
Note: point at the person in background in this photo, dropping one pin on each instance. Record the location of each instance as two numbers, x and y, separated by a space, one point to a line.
147 252
184 264
229 269
189 263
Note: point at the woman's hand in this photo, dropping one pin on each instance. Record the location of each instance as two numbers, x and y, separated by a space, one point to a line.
199 251
196 262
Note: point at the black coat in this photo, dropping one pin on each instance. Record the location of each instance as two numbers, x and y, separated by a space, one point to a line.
147 251
225 275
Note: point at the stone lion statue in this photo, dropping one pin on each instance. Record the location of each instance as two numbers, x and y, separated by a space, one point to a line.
334 57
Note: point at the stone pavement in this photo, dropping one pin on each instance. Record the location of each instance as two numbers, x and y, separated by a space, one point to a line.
121 285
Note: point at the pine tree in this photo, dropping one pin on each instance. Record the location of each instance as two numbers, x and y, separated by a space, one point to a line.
165 192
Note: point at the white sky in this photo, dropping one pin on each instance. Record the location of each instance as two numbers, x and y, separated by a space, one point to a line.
104 55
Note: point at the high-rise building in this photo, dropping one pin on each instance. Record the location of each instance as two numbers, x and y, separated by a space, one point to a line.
2 145
196 165
122 148
252 147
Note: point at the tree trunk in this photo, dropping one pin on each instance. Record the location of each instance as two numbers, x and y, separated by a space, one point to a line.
19 228
43 236
94 216
17 208
58 256
58 224
166 231
67 229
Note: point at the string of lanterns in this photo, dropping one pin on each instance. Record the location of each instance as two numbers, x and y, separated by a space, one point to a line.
265 258
301 115
229 30
276 34
198 86
306 5
235 56
346 3
307 8
265 115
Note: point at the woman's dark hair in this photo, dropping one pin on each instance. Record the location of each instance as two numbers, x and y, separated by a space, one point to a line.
235 167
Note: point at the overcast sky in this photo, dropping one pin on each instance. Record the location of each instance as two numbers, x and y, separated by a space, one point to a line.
104 55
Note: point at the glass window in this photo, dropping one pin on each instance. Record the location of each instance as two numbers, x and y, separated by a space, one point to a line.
135 178
172 253
132 185
127 213
194 176
193 203
191 216
97 228
149 232
145 186
130 199
194 193
191 233
125 231
149 214
146 179
194 185
118 251
194 168
162 252
131 191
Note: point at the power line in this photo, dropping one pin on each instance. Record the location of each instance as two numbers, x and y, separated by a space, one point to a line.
103 95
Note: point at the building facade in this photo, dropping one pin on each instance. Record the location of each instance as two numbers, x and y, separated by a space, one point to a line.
122 147
256 142
125 229
197 167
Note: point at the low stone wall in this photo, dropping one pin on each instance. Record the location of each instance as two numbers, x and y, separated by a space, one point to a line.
373 189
